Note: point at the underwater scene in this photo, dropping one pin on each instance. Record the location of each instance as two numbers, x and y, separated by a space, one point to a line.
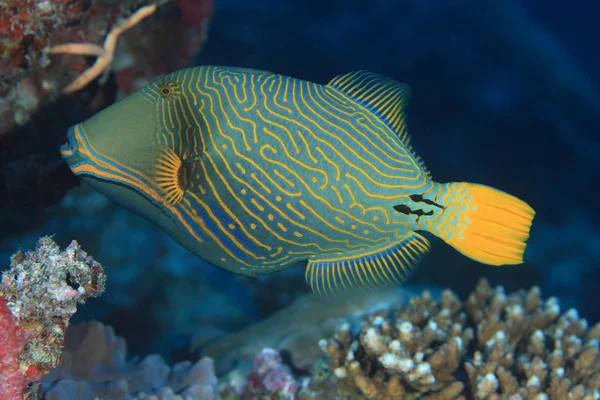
299 199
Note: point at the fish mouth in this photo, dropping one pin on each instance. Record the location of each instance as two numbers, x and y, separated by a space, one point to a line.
71 147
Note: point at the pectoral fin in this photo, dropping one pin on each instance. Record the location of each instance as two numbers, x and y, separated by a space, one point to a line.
377 267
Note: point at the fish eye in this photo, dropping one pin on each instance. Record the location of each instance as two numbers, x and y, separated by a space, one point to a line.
168 89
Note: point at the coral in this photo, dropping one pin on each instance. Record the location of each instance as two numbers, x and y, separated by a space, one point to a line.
269 378
418 351
104 54
31 30
38 296
30 78
527 349
511 347
160 307
36 18
95 365
294 330
34 117
150 50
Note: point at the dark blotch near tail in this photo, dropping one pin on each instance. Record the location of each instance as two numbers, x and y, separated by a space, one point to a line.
406 210
417 198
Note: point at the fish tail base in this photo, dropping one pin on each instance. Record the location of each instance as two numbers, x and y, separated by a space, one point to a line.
484 224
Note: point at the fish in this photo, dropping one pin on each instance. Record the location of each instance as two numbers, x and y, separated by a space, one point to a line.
254 172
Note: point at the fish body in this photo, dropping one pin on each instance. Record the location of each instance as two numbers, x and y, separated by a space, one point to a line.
255 171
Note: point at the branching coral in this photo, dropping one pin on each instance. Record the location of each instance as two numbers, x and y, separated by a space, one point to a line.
418 351
527 349
38 296
511 347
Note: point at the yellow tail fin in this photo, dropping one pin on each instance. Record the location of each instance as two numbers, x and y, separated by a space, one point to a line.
484 223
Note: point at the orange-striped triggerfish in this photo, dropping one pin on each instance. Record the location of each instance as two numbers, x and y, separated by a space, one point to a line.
253 171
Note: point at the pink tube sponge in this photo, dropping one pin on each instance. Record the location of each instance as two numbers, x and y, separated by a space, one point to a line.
13 376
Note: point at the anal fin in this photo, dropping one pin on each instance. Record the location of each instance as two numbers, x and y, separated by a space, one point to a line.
377 267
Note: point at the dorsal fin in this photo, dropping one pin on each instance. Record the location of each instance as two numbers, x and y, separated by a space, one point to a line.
386 97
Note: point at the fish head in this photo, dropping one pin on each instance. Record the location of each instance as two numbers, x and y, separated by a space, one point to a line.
113 132
115 152
107 148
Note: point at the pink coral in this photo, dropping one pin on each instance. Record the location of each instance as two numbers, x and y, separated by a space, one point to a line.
269 377
14 376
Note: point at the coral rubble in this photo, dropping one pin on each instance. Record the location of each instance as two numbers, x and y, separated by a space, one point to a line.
515 346
38 296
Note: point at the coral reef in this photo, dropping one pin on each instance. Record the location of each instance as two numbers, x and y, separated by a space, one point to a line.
515 346
418 350
38 296
105 54
31 30
28 28
491 83
493 346
34 117
95 365
152 310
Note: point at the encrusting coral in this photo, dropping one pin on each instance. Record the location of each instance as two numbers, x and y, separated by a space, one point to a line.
38 296
511 347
